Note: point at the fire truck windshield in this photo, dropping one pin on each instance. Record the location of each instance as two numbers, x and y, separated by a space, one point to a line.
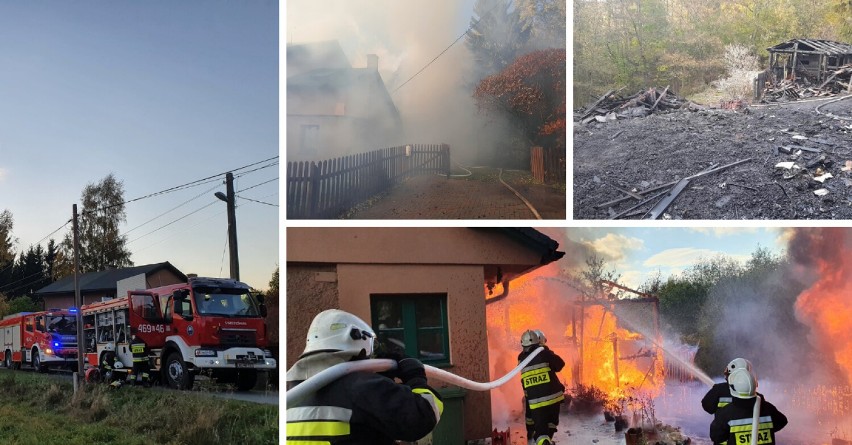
62 325
225 302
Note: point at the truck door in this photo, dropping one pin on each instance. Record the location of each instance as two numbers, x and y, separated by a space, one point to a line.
146 318
181 316
29 333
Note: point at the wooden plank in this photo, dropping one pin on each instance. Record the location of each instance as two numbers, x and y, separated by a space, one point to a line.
667 200
660 98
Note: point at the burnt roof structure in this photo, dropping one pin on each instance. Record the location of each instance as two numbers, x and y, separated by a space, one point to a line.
807 58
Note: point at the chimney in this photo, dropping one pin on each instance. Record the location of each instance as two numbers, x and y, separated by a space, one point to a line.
373 62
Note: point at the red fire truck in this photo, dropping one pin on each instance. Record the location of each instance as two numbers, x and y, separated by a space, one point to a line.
213 326
42 340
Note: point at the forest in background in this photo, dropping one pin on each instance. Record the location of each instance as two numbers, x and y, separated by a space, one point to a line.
638 44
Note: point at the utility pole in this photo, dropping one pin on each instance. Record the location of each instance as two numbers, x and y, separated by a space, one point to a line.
232 224
78 300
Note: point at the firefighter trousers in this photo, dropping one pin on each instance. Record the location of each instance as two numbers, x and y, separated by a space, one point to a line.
545 420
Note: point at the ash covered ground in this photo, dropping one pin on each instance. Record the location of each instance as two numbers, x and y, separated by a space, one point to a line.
640 154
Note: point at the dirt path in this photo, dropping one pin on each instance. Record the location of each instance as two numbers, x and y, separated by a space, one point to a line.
480 196
640 154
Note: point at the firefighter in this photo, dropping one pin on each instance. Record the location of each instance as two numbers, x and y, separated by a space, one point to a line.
109 363
141 364
360 407
733 422
543 391
719 394
542 340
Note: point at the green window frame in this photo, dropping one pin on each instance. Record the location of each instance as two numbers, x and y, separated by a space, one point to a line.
416 321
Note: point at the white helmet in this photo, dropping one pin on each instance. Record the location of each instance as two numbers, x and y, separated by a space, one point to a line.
529 338
743 384
737 363
542 340
334 330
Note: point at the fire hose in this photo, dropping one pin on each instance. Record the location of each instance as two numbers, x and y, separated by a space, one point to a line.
323 378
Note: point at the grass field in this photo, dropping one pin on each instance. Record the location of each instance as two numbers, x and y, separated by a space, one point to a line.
42 410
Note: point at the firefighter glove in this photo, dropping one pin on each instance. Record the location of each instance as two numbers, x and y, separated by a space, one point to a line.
411 372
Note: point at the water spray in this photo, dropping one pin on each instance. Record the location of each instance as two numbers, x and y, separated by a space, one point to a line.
323 378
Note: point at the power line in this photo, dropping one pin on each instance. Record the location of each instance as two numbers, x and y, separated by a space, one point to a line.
259 202
195 183
173 221
177 233
256 169
256 185
174 208
41 272
448 48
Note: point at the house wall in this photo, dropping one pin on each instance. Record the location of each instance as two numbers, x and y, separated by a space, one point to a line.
163 277
311 289
465 312
67 301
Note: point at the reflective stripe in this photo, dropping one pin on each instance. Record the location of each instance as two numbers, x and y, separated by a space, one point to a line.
308 442
542 440
535 372
534 367
304 413
437 404
308 429
546 400
748 421
137 349
747 428
723 401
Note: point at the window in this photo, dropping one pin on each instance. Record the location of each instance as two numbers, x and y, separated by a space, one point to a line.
415 323
143 305
28 324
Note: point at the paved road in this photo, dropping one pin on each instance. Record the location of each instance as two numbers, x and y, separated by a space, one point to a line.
436 197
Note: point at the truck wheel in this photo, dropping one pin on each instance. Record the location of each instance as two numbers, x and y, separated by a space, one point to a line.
177 374
7 359
36 361
246 379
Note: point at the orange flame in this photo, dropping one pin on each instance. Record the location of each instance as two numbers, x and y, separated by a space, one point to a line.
825 307
615 360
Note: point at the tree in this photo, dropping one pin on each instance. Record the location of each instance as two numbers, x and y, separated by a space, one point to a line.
101 244
545 20
272 315
29 273
7 251
496 36
531 94
7 241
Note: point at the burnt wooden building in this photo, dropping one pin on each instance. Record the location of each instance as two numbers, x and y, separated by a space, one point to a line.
810 59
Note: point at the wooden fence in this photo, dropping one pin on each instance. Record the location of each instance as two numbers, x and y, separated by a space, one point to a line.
547 165
326 189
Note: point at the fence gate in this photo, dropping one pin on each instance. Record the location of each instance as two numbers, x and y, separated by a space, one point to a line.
326 189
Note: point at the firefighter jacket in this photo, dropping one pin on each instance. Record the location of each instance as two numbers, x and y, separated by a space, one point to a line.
539 380
363 408
139 350
718 396
733 423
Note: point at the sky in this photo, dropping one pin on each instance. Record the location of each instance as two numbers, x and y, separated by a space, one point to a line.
637 253
160 94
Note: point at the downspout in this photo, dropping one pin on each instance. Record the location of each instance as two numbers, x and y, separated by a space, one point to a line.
505 293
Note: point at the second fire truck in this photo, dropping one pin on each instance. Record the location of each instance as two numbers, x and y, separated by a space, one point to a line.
207 325
43 340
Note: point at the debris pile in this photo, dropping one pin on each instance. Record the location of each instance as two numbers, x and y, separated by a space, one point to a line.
808 164
611 106
801 88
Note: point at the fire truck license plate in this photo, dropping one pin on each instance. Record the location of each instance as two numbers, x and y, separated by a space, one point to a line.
245 365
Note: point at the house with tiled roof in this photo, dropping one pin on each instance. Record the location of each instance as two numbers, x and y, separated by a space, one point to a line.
108 284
